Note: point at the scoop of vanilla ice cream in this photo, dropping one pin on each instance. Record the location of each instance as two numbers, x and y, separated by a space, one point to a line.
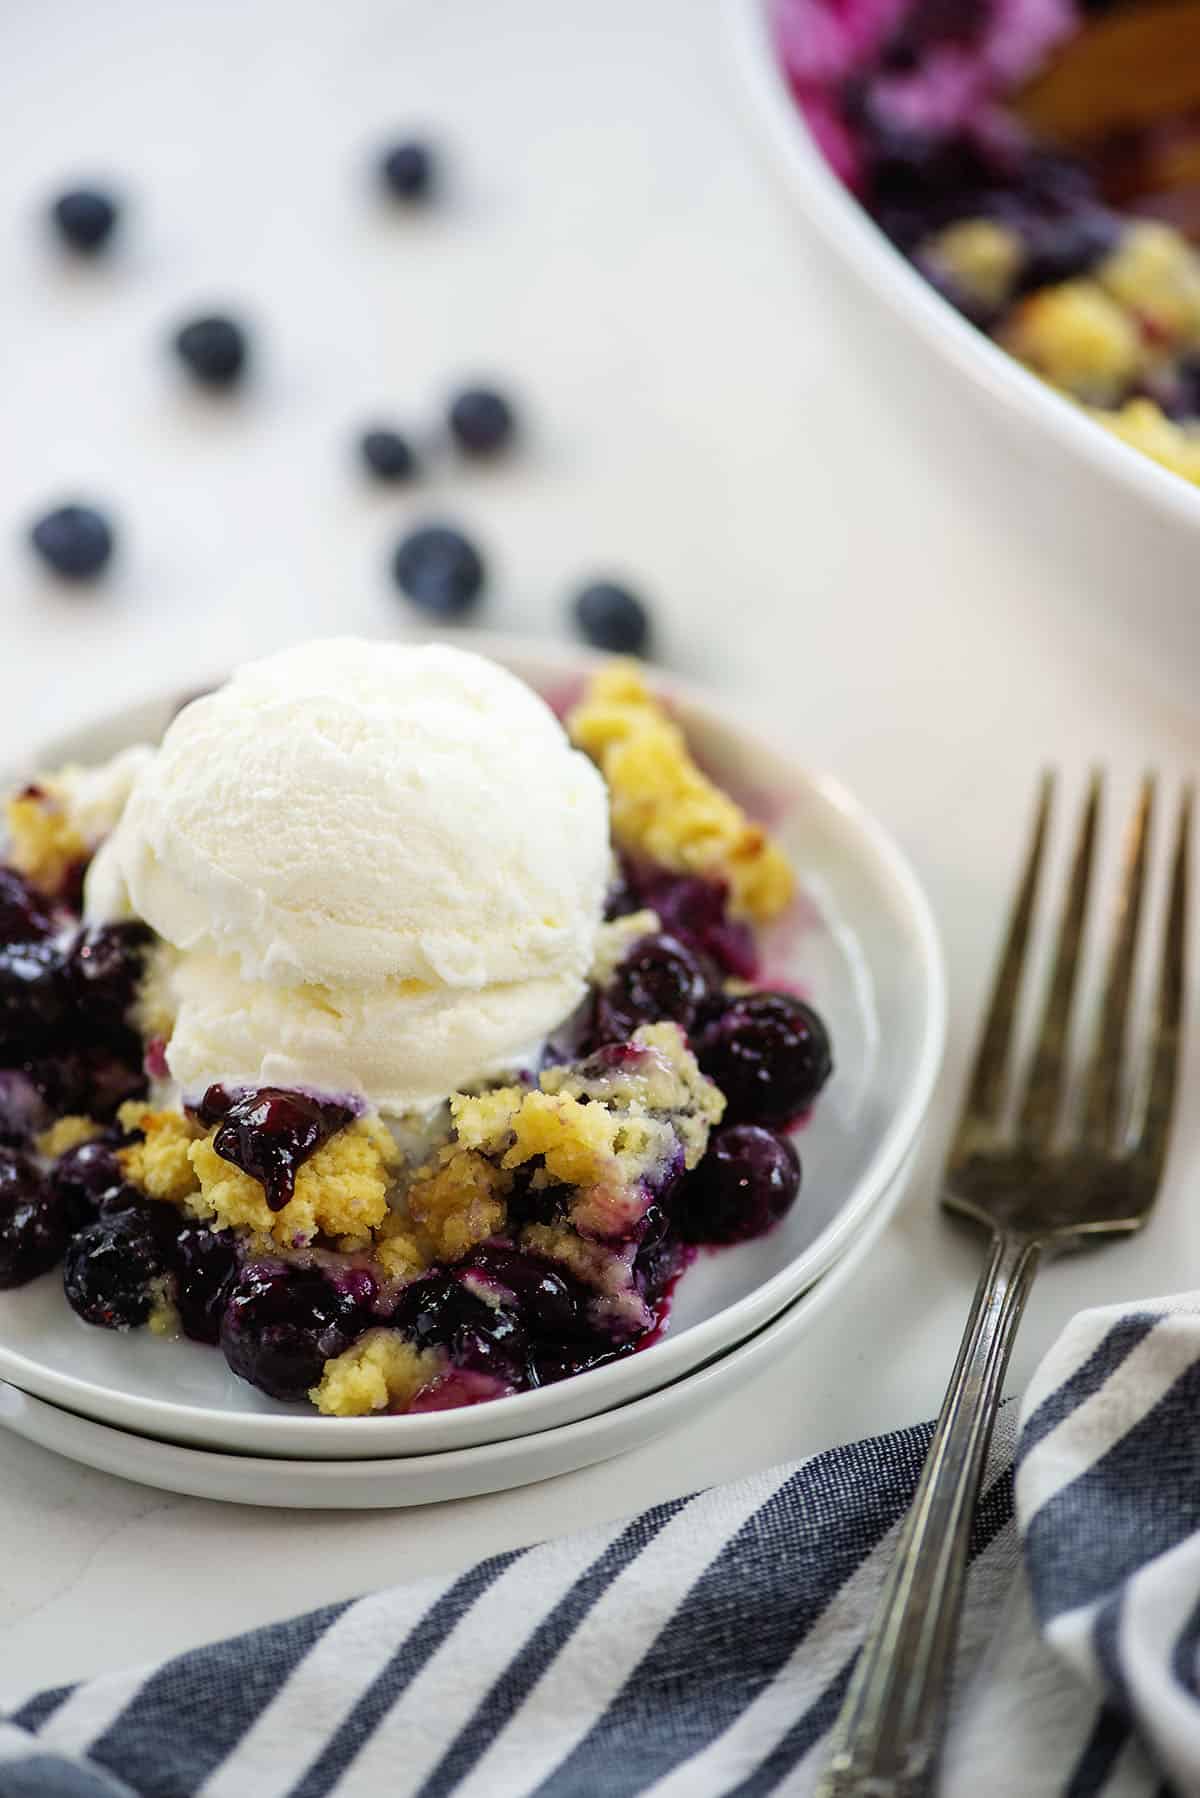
382 868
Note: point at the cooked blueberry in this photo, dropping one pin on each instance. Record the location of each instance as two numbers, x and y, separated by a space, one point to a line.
770 1055
550 1303
111 1269
659 978
695 910
33 1224
387 455
23 1107
75 541
440 1312
1062 249
104 966
745 1183
270 1132
612 618
83 1176
205 1265
96 1079
32 992
280 1326
84 217
213 349
24 914
439 569
481 421
659 1259
407 170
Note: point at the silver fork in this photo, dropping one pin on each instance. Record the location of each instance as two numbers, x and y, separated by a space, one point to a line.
1049 1183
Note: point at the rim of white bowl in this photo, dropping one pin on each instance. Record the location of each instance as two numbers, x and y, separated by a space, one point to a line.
668 1358
847 226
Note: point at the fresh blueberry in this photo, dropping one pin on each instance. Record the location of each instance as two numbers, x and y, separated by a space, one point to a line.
213 349
83 1177
270 1132
33 1224
770 1055
659 978
280 1326
75 541
111 1269
481 421
407 171
387 455
24 914
439 569
205 1265
746 1182
612 618
84 218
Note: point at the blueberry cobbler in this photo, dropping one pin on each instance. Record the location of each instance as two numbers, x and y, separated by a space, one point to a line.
1080 266
390 1036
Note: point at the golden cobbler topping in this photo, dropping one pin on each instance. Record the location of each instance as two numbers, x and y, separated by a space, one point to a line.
662 805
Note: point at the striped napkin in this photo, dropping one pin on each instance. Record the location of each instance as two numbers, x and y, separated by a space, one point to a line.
704 1646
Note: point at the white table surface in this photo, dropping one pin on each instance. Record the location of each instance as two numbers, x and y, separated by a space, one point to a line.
707 413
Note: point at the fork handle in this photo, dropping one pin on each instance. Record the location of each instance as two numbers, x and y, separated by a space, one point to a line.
888 1736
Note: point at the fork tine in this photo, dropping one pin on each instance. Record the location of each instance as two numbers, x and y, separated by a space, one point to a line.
1154 1110
1039 1109
1102 1092
985 1095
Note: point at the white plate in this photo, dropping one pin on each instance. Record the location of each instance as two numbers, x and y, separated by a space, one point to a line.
431 1479
862 945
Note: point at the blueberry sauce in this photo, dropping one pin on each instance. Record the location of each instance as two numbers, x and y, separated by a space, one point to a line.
270 1133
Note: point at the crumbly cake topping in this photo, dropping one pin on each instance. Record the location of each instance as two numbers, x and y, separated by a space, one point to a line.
458 1202
341 1190
615 939
66 1133
663 807
43 842
382 1371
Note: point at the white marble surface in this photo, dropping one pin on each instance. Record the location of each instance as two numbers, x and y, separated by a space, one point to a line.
708 413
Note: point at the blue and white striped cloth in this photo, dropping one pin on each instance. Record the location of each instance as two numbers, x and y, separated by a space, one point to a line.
704 1646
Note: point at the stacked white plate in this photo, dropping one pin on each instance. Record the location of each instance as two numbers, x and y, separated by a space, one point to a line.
860 945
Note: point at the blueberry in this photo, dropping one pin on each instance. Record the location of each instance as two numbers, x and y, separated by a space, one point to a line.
439 569
659 1259
83 1177
612 618
1063 249
213 349
205 1265
387 455
33 992
659 978
696 911
110 1271
550 1302
24 914
33 1224
440 1312
84 218
770 1055
75 541
481 421
746 1182
280 1326
407 170
104 966
23 1108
